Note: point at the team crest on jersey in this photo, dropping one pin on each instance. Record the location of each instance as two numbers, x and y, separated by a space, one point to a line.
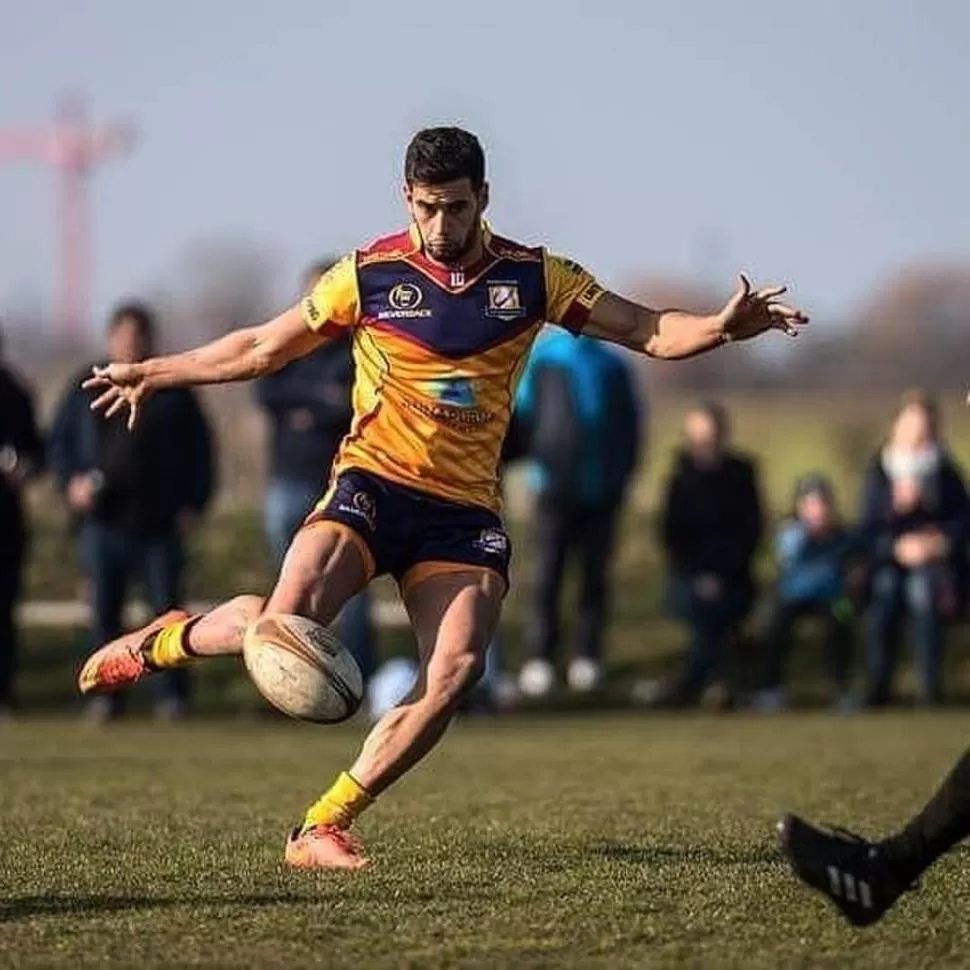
504 301
405 300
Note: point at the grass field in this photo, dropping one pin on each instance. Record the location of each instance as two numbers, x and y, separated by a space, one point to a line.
593 841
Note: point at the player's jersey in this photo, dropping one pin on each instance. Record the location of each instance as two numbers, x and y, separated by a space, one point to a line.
438 352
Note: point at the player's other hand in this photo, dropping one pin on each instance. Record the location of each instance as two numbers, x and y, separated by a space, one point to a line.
751 312
122 386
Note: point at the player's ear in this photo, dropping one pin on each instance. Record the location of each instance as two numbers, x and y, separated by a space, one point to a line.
484 196
406 192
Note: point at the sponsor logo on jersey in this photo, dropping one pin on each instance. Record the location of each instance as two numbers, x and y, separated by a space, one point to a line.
405 301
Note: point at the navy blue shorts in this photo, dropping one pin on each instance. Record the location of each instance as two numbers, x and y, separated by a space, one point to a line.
408 532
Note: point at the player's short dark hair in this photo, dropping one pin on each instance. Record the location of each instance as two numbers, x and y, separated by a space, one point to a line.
140 314
438 155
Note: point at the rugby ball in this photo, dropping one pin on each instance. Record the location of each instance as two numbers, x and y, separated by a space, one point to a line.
302 669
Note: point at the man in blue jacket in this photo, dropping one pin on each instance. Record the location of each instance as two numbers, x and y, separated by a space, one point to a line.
135 495
581 415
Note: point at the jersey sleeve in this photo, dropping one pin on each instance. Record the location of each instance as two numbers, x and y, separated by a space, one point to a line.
571 292
334 302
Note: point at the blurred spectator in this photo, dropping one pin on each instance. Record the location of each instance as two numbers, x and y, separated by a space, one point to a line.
813 553
135 495
21 456
308 404
578 406
711 526
914 526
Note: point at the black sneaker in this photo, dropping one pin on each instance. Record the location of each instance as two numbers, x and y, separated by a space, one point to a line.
849 870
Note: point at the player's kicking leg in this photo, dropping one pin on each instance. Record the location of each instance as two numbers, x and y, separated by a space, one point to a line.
325 566
454 615
864 879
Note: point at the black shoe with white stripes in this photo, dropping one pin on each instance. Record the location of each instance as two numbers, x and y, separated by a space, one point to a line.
849 870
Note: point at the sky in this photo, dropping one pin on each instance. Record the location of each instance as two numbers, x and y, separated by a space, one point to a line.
825 144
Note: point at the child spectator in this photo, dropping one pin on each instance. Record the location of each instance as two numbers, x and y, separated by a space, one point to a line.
813 550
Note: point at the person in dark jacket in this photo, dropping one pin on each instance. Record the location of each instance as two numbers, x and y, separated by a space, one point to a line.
914 526
21 456
815 553
308 404
582 419
134 495
711 527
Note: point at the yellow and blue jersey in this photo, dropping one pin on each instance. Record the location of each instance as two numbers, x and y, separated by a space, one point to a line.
438 352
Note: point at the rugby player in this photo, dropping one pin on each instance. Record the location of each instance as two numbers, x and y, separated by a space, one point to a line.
442 315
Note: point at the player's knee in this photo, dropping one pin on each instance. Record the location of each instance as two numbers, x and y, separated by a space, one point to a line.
248 606
452 680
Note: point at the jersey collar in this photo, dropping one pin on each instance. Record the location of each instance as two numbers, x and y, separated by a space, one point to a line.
451 279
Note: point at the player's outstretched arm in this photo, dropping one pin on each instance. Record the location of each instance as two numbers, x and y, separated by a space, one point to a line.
238 356
676 334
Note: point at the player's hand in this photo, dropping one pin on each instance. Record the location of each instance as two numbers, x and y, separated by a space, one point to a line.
122 386
750 312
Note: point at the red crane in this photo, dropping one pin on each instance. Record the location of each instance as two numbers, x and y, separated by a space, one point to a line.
73 147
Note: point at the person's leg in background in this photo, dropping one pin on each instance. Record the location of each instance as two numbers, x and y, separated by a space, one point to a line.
355 628
11 572
161 563
919 595
776 640
703 663
596 530
553 530
287 503
882 635
106 560
839 634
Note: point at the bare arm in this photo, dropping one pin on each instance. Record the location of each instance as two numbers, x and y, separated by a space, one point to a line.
238 356
676 334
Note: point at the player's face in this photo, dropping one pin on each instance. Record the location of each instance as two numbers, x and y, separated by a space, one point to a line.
448 216
126 344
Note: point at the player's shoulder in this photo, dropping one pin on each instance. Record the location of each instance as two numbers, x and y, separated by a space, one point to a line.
387 249
504 248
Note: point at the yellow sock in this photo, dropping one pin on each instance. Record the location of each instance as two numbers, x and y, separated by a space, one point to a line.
168 646
339 806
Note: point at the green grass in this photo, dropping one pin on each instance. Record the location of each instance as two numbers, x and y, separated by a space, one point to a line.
596 841
599 840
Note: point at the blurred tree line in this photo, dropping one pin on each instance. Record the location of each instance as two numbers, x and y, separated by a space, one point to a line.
905 335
